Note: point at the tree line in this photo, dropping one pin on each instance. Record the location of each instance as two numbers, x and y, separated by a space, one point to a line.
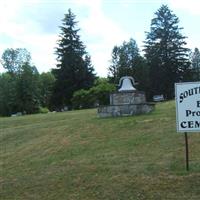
22 88
165 59
73 84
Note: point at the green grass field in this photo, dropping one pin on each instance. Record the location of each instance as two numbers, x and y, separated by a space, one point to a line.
77 156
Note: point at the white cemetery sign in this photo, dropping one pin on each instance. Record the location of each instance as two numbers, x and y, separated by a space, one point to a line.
188 106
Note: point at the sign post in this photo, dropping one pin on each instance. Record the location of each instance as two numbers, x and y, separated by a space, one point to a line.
187 110
186 152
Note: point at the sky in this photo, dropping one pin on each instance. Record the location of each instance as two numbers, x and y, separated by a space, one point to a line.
34 25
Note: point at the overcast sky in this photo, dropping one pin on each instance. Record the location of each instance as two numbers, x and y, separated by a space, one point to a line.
34 25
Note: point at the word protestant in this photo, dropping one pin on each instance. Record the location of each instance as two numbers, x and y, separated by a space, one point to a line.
192 124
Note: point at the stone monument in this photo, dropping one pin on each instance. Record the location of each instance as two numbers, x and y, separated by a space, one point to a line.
127 101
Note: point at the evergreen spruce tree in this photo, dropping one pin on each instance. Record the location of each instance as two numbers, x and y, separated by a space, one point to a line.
166 53
74 70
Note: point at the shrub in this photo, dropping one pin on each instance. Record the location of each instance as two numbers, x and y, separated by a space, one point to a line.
43 110
97 95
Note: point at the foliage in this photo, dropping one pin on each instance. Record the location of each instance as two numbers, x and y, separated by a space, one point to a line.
43 110
13 59
8 101
46 83
195 61
27 89
19 92
22 88
141 75
74 70
124 60
96 95
101 91
83 99
165 53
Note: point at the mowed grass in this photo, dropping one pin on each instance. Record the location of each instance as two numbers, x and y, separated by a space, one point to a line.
77 156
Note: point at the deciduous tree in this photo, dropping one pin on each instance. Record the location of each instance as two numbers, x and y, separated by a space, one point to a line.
124 60
28 90
46 83
195 60
13 59
127 61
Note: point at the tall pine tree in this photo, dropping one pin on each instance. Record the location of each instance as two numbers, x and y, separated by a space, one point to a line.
74 70
166 53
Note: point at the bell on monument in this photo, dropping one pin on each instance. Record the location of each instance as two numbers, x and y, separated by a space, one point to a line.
126 84
127 101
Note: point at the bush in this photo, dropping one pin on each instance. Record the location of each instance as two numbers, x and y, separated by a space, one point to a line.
102 90
97 95
43 110
82 99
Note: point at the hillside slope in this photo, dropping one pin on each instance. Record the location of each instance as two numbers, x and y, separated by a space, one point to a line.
77 156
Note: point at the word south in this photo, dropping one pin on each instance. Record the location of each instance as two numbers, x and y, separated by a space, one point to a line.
190 92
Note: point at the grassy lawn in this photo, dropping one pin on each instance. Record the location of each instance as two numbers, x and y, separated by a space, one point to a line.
77 156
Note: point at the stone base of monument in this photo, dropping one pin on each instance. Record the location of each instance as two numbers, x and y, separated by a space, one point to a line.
124 110
126 103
